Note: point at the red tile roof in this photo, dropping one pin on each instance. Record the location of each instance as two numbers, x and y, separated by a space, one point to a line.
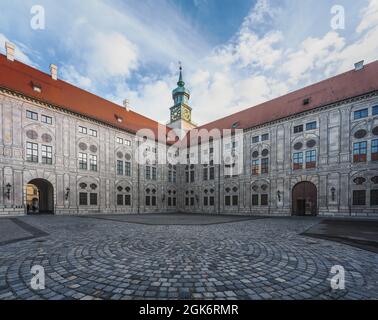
20 78
346 85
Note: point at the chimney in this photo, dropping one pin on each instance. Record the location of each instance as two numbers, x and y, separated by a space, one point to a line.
126 104
9 48
54 71
359 65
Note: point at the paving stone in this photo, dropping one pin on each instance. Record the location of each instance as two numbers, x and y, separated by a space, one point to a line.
90 258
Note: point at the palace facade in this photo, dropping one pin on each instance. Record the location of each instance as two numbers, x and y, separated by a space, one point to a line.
66 151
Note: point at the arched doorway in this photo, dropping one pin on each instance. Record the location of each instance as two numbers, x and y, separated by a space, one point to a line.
39 197
305 199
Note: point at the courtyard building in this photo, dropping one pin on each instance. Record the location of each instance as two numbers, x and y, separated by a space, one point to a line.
66 151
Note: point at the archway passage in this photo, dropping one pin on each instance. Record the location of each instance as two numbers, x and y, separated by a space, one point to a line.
305 199
39 197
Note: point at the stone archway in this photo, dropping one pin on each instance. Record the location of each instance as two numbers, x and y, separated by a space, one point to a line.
304 199
39 197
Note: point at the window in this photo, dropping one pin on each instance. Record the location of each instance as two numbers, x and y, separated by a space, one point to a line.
31 152
359 151
264 165
211 173
174 176
148 200
205 173
93 162
93 199
255 199
154 173
128 168
310 159
82 130
119 140
31 115
359 114
212 201
255 139
127 142
265 137
264 200
119 199
127 200
255 167
235 200
298 129
191 176
92 133
227 200
374 150
297 160
374 197
153 200
206 201
148 173
119 167
83 161
375 110
46 119
46 154
311 125
83 199
359 197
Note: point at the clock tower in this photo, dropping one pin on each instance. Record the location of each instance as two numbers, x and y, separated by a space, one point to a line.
181 112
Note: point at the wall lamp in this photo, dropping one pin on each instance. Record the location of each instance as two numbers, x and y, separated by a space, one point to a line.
67 194
8 190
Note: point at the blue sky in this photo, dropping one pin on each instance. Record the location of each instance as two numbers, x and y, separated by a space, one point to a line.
235 53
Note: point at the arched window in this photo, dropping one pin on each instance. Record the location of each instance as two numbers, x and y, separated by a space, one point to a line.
150 199
123 196
88 194
231 197
172 198
260 194
208 197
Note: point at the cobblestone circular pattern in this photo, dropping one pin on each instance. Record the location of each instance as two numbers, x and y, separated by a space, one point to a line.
87 258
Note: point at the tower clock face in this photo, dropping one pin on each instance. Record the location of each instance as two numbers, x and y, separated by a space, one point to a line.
186 115
175 114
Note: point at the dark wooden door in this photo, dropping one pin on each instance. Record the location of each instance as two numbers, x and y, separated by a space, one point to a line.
304 202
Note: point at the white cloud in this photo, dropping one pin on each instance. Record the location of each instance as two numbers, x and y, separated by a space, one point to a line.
126 50
19 54
71 75
111 55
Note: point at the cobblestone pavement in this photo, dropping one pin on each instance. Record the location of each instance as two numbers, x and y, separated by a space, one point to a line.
97 258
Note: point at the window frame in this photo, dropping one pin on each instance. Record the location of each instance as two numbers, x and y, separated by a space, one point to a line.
93 162
361 114
313 125
298 129
32 152
46 119
46 154
83 161
32 115
83 130
360 153
298 160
